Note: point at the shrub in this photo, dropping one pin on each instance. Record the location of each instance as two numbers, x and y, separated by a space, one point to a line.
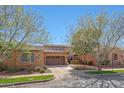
105 62
75 62
37 69
79 68
42 70
118 63
11 70
4 68
89 63
44 67
1 69
30 70
21 69
82 62
1 66
1 63
85 62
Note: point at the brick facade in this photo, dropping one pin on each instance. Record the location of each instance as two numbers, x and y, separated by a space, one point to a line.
58 51
39 58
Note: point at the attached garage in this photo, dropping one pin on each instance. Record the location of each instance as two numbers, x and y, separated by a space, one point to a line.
55 60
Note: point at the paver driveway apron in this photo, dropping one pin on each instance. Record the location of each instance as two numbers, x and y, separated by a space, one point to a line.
60 71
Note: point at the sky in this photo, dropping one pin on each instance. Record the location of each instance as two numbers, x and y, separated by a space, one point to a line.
58 18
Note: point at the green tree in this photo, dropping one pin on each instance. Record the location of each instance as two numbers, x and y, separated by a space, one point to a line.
20 29
109 34
82 40
101 34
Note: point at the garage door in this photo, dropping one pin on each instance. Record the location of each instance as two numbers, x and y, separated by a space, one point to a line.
56 60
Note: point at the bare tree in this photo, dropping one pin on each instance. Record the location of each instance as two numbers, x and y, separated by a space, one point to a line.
111 29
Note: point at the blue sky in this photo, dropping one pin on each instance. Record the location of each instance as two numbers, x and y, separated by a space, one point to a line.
58 18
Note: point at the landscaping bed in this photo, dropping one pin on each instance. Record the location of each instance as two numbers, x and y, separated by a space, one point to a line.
27 71
22 80
109 66
105 72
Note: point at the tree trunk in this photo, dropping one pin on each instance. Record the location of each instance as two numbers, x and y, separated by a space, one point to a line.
85 61
99 67
98 60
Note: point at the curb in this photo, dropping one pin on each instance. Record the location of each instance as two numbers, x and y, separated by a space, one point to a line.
108 74
27 82
103 74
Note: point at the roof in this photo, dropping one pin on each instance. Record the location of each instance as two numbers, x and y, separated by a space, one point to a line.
48 45
54 45
36 48
113 49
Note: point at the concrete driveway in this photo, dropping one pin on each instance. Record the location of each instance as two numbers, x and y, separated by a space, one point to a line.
66 77
60 71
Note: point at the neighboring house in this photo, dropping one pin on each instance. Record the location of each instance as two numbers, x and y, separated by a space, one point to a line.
75 59
115 57
38 56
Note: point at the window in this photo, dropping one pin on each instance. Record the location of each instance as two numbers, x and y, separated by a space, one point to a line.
27 57
53 49
115 57
50 49
61 49
56 49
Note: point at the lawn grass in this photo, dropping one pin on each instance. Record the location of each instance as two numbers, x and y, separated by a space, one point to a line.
105 72
119 71
25 79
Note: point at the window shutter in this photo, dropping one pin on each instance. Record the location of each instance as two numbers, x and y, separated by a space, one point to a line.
32 57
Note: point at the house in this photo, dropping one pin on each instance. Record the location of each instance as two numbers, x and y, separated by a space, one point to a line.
75 59
38 56
55 55
115 57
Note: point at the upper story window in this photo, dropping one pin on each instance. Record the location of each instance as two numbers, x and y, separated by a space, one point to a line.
115 57
61 49
55 49
27 57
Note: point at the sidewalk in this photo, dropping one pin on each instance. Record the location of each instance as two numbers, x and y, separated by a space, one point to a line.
106 68
28 75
